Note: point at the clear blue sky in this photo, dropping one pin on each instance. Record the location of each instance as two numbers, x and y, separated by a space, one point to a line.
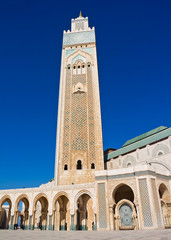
134 58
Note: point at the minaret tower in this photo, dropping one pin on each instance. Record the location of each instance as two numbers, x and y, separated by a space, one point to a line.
79 147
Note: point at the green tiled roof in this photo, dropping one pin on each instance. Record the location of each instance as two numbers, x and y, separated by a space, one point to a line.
145 135
147 138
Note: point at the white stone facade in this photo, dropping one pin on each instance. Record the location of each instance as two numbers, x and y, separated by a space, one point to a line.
126 189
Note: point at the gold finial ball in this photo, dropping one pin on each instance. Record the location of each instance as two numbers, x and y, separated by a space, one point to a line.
80 14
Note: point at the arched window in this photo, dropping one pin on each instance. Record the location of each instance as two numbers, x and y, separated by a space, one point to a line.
92 166
65 167
128 164
68 67
74 69
83 69
88 64
79 164
160 153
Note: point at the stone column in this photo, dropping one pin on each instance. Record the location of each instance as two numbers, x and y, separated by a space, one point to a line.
8 219
80 224
0 218
35 220
47 222
57 220
72 225
62 220
84 220
15 217
11 223
52 220
26 221
49 225
137 216
31 227
44 220
111 217
95 222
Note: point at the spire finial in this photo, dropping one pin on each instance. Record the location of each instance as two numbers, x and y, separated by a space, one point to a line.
80 14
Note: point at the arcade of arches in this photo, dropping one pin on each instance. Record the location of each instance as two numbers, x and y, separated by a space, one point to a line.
40 219
36 214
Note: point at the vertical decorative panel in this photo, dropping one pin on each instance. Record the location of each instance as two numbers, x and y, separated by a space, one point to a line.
145 203
102 205
91 116
156 203
79 131
79 116
67 117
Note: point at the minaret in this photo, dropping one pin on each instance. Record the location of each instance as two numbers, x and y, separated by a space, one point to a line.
79 146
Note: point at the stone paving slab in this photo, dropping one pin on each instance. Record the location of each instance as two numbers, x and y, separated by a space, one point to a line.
82 235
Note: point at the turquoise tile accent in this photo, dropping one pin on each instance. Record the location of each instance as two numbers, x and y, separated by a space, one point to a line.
32 227
78 57
88 49
79 38
73 227
43 227
62 228
26 227
11 227
69 51
83 227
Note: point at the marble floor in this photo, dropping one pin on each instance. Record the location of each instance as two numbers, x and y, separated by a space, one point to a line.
91 235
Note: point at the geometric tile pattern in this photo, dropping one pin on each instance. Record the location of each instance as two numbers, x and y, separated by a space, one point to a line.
67 118
79 130
79 122
79 116
69 51
79 38
102 205
79 78
87 49
156 203
126 215
91 116
145 203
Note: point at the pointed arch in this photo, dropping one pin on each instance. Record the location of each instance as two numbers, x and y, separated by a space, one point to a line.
24 198
84 191
4 199
58 195
40 197
126 191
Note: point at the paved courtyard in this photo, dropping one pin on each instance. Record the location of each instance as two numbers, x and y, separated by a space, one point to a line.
91 235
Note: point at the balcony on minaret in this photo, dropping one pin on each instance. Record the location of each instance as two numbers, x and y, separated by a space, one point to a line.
80 32
79 24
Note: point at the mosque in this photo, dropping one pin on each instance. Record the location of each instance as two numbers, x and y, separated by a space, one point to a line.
124 189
